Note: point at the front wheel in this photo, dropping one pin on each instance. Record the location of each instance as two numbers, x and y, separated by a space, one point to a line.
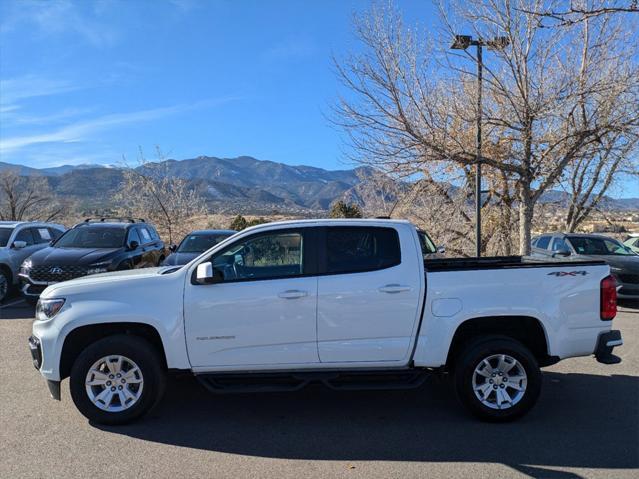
117 379
497 379
5 284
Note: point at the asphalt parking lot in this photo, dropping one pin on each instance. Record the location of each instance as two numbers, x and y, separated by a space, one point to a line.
586 424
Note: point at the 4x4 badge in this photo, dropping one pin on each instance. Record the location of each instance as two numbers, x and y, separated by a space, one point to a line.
568 273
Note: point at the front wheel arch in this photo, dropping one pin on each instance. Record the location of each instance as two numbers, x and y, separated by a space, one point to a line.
82 337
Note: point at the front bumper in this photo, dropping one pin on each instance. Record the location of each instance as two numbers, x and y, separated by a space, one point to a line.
605 344
36 355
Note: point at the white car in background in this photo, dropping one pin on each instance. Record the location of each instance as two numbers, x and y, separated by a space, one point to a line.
18 241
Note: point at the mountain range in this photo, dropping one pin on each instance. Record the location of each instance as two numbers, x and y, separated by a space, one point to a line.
243 184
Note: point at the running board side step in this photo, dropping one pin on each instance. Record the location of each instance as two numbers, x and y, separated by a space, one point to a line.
228 383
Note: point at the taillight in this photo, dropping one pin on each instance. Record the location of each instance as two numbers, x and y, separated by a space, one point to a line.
608 307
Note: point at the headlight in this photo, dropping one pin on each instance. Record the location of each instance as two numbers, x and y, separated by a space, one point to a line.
48 308
99 267
26 267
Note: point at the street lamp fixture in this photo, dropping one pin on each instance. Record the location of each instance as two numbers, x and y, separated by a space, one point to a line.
462 42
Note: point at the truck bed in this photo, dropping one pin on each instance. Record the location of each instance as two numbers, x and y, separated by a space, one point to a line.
500 262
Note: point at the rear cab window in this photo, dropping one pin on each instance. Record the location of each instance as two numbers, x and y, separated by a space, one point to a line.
353 249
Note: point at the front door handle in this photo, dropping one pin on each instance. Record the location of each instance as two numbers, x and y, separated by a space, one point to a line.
293 294
394 288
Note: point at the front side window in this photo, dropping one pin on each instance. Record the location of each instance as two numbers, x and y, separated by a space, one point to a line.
355 249
25 235
598 246
134 236
42 235
55 233
559 244
98 237
265 256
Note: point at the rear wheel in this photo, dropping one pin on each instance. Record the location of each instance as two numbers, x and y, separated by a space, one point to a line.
117 379
497 379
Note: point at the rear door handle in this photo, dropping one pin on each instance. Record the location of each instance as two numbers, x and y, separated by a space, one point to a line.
394 288
293 294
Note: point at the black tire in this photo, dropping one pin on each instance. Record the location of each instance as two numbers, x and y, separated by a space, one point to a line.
484 348
6 284
134 348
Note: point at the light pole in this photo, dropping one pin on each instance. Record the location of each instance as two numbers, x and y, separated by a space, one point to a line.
462 42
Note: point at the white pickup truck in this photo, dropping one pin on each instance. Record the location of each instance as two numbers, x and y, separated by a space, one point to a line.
348 303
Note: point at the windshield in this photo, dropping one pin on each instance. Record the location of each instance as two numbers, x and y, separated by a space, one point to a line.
100 237
199 243
5 233
598 246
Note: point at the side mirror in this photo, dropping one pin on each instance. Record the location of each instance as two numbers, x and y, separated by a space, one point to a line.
205 274
441 249
133 245
173 248
19 244
562 252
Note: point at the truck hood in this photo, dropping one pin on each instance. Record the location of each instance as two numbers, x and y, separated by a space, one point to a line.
103 281
75 256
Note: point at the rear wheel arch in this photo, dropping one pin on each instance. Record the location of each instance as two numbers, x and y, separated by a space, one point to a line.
78 339
528 330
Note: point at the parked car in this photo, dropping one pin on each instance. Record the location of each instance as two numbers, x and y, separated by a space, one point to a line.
624 263
91 247
18 241
633 242
194 244
348 303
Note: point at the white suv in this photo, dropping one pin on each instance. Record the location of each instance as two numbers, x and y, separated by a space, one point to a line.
18 241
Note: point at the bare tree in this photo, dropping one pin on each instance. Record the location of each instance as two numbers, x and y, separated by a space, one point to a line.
551 98
149 191
27 198
571 12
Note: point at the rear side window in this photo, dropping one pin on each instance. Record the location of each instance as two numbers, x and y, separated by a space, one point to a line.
355 249
542 242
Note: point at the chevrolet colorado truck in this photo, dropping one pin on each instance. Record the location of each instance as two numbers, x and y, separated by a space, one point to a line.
348 303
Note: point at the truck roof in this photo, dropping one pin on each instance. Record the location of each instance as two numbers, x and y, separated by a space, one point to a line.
335 222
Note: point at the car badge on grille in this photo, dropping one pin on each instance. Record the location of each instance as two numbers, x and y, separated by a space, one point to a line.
56 270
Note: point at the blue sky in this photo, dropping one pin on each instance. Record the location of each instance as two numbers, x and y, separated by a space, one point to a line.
88 82
93 81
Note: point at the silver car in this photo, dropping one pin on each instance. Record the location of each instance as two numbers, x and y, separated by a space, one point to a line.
624 263
18 241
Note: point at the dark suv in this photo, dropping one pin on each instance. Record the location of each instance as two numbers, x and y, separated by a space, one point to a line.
94 246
